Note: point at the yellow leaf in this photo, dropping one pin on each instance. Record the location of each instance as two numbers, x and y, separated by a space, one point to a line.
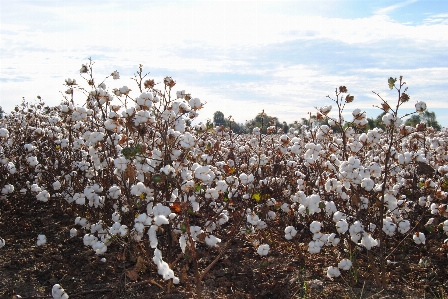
256 196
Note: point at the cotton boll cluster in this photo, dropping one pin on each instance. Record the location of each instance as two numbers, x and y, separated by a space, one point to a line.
58 292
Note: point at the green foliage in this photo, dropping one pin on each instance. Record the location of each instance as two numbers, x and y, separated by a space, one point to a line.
131 151
428 118
218 118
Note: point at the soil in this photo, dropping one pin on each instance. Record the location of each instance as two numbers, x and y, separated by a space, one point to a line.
288 271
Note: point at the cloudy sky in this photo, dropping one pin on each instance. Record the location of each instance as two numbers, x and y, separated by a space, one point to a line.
238 56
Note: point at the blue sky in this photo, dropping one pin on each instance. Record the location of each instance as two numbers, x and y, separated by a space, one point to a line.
239 56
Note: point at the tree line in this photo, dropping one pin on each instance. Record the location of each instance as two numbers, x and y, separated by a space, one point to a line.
264 121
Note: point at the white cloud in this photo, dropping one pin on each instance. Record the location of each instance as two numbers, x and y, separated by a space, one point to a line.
389 9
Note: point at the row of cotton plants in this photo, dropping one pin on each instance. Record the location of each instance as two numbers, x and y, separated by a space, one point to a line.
134 169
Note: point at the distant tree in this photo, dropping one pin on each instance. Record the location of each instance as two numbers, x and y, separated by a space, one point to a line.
265 120
1 112
427 117
218 118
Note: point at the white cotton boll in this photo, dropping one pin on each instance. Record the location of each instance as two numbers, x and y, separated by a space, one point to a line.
261 224
99 247
89 239
160 220
290 232
116 217
183 242
330 208
223 218
404 226
419 238
271 215
41 240
315 227
123 230
338 216
368 242
342 226
333 239
160 209
58 292
43 196
263 249
8 188
56 185
355 231
345 264
153 236
73 232
367 184
389 227
139 227
333 272
434 209
253 218
2 242
212 240
313 247
445 226
103 260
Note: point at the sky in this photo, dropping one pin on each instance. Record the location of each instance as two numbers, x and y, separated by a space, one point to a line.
240 57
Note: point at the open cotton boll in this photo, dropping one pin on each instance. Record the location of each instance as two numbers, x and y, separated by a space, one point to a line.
345 264
43 196
313 247
212 240
41 240
163 267
333 239
368 242
445 226
58 292
315 227
153 236
404 226
342 226
333 272
82 222
2 242
389 227
56 185
263 249
338 216
99 247
419 238
160 220
116 217
73 232
290 232
89 239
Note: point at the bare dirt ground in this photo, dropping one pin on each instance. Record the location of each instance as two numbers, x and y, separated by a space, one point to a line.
288 271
